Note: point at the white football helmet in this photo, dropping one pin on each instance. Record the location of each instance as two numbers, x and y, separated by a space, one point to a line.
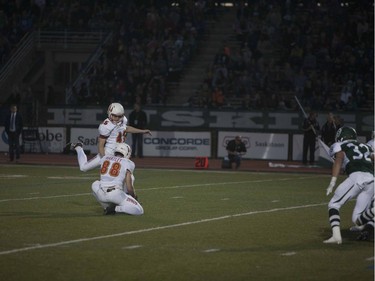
115 109
124 149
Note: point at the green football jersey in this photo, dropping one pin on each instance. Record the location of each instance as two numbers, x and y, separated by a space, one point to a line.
357 156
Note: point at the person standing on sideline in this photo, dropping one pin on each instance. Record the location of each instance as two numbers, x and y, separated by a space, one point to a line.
356 159
14 127
137 119
310 130
329 130
236 148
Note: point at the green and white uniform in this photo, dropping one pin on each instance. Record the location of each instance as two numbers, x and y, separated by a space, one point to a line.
360 182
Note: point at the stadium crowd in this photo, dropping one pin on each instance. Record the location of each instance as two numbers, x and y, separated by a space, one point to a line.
150 41
320 51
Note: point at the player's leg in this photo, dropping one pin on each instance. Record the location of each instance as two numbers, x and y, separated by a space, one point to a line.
124 203
344 192
130 206
99 194
84 164
363 210
365 216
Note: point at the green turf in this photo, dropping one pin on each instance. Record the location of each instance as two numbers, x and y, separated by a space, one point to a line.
198 225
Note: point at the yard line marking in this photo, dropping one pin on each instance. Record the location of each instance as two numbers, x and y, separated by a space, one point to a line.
62 243
155 188
131 247
211 250
12 176
225 183
71 178
44 197
288 254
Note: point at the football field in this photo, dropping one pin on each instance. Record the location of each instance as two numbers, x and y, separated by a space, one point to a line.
198 225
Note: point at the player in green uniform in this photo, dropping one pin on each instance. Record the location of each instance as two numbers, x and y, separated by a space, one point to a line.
355 158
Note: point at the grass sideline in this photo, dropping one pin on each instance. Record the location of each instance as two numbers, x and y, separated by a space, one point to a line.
198 225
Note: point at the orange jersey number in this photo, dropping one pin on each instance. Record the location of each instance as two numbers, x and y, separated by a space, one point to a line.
113 170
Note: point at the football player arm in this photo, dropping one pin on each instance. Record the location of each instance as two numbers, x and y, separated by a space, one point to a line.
101 145
336 168
129 184
133 130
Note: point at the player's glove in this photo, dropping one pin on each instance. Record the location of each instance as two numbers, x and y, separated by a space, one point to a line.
331 185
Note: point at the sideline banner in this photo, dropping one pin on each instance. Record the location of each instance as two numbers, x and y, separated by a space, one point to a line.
258 145
177 144
160 144
52 139
167 118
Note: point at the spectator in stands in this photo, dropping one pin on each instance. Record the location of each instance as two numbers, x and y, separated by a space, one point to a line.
346 94
218 98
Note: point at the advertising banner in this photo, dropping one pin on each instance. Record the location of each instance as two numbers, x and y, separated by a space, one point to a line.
177 144
167 118
51 140
298 149
258 145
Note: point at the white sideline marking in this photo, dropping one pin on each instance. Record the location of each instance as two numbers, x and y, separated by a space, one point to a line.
62 243
71 178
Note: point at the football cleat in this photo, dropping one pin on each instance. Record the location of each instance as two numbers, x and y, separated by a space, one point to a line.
333 240
357 228
110 210
367 234
73 145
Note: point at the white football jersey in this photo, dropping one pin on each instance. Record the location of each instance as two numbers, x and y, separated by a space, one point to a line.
371 143
113 170
113 133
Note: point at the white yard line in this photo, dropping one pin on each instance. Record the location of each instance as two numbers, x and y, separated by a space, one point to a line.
156 188
62 243
44 197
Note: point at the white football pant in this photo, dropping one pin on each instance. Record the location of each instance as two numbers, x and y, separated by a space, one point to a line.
124 202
